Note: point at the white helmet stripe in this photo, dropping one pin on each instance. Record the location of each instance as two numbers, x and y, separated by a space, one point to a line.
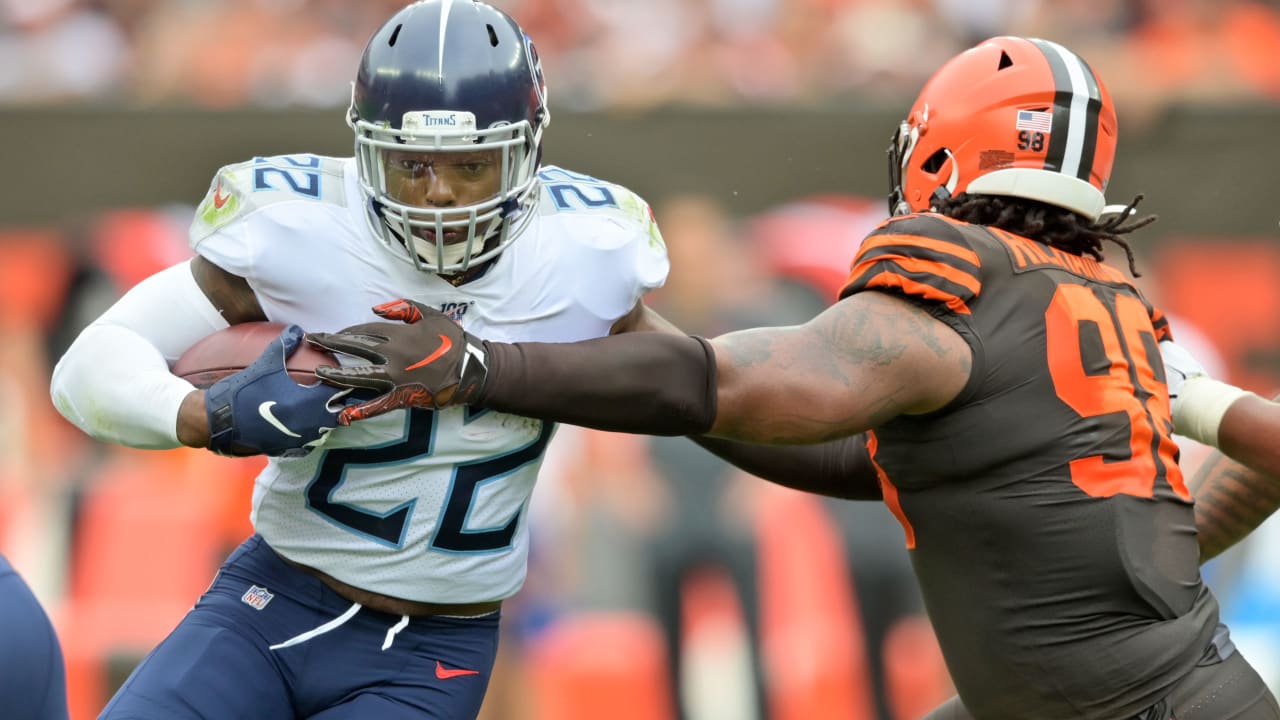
1079 107
445 7
1072 141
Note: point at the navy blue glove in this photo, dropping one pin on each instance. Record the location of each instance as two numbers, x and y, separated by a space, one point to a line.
262 411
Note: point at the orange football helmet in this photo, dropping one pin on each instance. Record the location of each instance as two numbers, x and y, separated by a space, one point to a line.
1021 117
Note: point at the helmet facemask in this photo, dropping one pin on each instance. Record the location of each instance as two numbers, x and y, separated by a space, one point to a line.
479 229
901 151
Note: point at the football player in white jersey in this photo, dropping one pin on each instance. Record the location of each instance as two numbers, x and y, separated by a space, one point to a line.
383 550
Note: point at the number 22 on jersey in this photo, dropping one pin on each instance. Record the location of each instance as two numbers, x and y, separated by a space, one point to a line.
417 445
1103 360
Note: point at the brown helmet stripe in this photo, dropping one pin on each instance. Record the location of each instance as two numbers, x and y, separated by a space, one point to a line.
1076 104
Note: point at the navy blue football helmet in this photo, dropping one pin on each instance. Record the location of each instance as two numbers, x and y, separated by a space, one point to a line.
450 76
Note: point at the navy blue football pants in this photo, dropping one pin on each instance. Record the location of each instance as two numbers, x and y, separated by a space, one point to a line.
331 664
33 681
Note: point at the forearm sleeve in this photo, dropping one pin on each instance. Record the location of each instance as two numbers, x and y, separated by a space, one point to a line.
114 381
116 387
647 382
839 468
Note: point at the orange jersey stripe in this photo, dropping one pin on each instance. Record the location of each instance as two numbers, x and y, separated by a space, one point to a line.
878 241
923 267
890 493
1161 325
916 288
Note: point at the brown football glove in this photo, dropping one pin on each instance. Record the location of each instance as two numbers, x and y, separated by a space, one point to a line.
425 360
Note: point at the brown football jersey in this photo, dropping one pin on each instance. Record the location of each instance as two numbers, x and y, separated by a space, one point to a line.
1047 518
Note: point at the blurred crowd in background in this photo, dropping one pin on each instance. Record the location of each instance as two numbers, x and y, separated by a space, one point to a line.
628 53
658 572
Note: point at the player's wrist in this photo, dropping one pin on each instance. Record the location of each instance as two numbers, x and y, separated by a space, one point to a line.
220 415
474 371
193 421
1200 406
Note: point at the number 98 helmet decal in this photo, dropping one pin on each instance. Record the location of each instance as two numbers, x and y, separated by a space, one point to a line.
1019 117
448 109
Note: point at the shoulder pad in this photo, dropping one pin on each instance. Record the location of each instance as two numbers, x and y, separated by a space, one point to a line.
925 256
240 189
576 194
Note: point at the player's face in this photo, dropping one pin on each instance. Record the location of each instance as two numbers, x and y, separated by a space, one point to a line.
443 180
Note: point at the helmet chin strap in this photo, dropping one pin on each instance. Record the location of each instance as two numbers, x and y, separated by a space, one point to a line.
449 254
428 252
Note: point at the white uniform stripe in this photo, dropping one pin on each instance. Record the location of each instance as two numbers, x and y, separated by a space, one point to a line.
1077 126
333 624
445 7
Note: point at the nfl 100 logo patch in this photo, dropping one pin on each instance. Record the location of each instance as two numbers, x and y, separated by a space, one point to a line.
256 597
455 310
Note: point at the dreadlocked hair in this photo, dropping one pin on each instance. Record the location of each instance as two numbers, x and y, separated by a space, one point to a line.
1049 224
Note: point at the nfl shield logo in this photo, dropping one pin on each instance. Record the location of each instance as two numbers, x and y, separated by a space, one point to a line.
256 597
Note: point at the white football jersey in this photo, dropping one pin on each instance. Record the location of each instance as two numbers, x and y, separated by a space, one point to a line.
429 506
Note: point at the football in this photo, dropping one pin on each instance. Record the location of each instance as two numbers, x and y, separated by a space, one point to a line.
232 349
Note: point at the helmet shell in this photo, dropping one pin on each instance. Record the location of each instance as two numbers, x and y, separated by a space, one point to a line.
1019 117
449 76
450 55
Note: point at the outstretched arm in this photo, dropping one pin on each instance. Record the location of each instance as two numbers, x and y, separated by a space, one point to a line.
839 468
863 361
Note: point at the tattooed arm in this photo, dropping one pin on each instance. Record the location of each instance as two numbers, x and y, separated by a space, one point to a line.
839 468
1233 498
861 362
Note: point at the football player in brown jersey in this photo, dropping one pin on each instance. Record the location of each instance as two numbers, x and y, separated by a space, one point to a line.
984 372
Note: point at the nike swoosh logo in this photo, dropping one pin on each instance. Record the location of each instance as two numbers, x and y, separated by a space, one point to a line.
219 199
265 411
445 345
445 674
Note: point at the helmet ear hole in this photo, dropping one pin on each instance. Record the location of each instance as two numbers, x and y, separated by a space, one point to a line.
1005 61
933 164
